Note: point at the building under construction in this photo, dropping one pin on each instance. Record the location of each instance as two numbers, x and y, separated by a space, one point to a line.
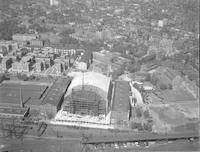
88 94
85 102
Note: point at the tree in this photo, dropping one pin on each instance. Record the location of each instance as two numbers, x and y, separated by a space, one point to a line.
163 86
146 114
4 50
51 62
33 60
139 112
8 28
61 67
10 47
147 126
42 66
24 51
46 65
17 58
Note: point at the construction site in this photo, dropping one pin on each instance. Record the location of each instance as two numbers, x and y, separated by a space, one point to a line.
85 102
90 110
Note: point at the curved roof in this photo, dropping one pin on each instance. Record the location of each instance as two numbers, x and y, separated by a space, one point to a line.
90 79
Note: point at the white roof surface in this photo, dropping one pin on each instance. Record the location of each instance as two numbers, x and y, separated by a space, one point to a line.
90 78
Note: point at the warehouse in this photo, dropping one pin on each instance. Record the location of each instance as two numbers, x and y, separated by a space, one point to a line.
43 96
120 113
13 93
55 96
18 112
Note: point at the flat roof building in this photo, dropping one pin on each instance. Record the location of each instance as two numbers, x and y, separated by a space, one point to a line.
10 112
55 96
120 112
42 96
13 92
24 37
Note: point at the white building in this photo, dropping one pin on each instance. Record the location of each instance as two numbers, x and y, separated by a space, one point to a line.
54 2
82 66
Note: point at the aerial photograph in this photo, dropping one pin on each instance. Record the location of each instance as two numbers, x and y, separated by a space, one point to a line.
99 76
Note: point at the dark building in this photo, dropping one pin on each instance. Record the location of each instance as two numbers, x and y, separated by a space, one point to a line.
42 96
55 96
120 113
86 60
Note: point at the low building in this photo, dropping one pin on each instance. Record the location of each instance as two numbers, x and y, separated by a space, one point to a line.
42 59
120 112
101 57
55 96
54 2
25 37
85 61
13 112
9 45
21 67
42 96
37 67
37 43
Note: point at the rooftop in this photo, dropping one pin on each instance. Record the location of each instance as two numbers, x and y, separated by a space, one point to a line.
13 111
86 56
56 91
121 101
31 92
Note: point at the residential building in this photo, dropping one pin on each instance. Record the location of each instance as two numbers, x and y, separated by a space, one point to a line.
25 37
37 43
54 2
21 67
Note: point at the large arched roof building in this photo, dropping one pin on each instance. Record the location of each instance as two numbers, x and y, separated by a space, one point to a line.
88 94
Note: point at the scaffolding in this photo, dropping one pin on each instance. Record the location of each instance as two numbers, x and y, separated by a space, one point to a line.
85 102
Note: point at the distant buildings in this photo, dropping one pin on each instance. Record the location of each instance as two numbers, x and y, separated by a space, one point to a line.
32 40
162 22
108 62
163 77
24 37
21 67
54 2
85 60
8 46
6 63
37 43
